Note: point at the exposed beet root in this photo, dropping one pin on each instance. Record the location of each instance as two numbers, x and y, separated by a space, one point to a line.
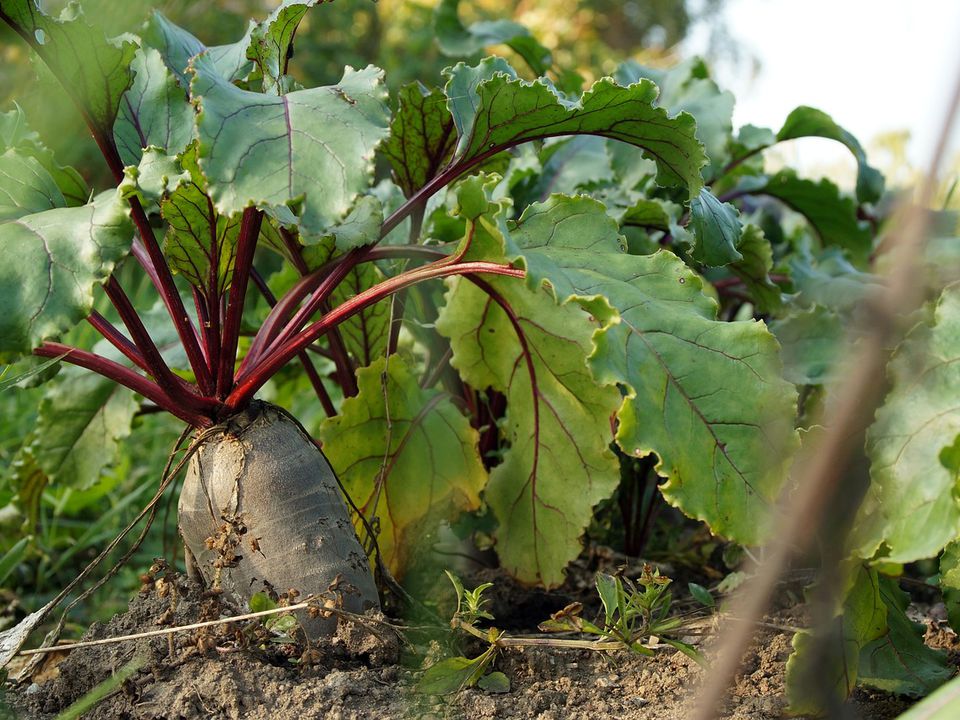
261 504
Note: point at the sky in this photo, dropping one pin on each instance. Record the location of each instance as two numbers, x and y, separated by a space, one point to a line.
873 65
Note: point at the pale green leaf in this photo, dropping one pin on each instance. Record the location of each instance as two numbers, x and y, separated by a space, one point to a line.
25 187
912 509
313 148
155 111
61 255
405 455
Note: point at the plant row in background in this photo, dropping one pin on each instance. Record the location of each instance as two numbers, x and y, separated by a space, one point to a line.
500 290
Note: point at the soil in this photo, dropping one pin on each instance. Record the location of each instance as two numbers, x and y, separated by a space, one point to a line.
236 672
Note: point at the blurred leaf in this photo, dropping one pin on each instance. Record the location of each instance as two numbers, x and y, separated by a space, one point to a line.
95 70
810 122
25 187
82 419
12 557
458 41
898 661
911 509
811 341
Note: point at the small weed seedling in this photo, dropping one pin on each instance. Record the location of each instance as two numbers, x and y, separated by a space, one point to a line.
632 612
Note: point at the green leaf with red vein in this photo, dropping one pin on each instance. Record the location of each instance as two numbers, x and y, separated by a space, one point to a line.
706 396
422 137
405 455
559 463
494 110
155 111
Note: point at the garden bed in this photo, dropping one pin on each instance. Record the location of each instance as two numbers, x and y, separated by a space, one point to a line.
225 672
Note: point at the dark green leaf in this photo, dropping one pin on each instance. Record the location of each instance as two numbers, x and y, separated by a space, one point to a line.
422 137
271 42
832 215
810 122
701 595
898 661
754 269
493 110
717 229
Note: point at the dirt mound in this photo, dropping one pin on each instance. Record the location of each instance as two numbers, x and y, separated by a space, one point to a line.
239 671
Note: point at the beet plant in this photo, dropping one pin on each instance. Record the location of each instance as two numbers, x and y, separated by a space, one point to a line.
506 294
